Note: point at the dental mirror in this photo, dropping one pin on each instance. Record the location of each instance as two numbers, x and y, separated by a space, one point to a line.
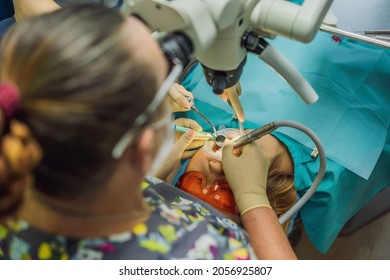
220 139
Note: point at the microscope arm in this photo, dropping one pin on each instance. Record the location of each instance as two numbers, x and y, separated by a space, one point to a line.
290 20
281 65
286 70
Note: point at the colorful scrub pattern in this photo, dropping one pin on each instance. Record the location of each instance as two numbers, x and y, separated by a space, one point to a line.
180 227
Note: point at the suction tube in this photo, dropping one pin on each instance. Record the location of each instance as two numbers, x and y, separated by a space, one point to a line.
321 171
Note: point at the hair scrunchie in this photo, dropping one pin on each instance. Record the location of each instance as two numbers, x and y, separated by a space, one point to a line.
9 99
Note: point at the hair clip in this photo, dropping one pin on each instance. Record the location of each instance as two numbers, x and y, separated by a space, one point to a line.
9 99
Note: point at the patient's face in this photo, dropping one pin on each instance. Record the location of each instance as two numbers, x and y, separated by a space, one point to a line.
205 162
209 166
208 159
205 179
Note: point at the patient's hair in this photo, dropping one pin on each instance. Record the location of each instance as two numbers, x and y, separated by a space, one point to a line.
281 191
82 86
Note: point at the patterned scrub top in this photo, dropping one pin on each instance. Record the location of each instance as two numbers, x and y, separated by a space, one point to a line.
180 227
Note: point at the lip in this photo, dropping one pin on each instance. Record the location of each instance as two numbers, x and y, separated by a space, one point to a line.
209 146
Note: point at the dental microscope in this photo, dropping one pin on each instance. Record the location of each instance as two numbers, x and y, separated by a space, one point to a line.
220 33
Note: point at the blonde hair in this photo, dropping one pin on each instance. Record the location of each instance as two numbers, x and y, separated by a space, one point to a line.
281 193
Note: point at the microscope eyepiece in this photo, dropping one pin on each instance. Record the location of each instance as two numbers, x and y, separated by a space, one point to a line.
177 45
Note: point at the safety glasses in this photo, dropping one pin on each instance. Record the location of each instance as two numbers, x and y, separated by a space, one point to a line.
219 194
126 139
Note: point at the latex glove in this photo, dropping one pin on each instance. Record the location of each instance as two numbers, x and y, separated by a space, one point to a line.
182 149
197 142
177 94
247 176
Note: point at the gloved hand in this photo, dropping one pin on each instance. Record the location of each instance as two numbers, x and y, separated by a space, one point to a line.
247 176
182 149
177 94
197 142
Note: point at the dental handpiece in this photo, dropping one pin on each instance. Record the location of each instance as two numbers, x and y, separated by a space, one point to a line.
218 138
198 134
254 135
196 110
